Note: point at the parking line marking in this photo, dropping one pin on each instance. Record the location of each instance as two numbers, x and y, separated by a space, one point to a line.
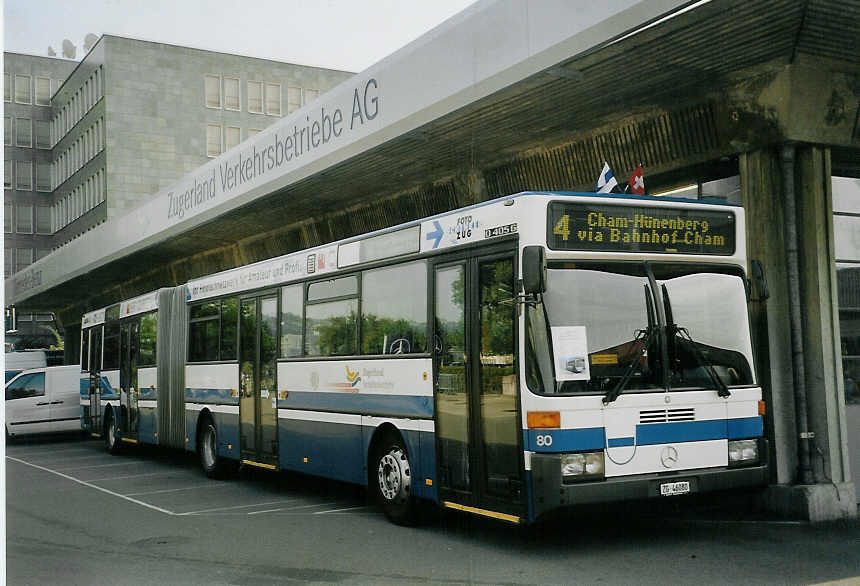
340 510
67 458
127 476
87 484
208 485
230 508
102 466
291 508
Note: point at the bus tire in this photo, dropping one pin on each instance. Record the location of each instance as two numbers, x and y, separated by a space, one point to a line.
392 478
213 465
111 443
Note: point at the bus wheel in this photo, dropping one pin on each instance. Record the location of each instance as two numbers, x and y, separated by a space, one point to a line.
394 482
207 449
111 445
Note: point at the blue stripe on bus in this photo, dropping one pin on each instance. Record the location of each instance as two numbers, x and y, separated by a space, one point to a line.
593 438
564 440
107 390
745 427
389 405
147 394
214 396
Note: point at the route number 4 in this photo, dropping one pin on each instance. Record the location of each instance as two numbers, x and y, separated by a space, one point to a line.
562 227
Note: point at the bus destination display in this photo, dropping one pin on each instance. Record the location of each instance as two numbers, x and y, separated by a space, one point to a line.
606 228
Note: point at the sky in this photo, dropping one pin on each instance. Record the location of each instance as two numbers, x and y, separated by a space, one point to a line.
337 34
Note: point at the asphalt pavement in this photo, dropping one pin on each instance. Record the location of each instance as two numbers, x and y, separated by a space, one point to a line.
76 515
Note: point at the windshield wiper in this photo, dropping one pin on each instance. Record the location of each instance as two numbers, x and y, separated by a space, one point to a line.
672 329
644 338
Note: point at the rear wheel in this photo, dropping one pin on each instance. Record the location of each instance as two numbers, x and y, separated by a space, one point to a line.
111 445
212 464
393 476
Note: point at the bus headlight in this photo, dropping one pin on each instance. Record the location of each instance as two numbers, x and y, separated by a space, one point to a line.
743 452
581 466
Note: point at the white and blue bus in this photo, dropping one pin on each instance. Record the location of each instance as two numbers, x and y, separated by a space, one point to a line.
507 359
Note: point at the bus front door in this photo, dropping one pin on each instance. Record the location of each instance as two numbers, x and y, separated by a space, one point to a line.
95 365
128 358
478 425
258 407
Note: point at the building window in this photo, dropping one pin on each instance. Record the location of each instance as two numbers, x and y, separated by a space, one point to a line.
43 176
7 87
7 174
7 262
294 99
7 130
23 258
273 99
252 132
43 134
22 89
24 175
310 96
213 140
43 91
231 93
231 137
7 217
23 132
23 218
213 91
42 253
255 97
43 219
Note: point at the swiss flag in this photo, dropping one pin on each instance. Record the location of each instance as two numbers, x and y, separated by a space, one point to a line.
637 182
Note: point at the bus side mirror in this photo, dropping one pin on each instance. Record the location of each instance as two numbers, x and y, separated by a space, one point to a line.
759 280
534 270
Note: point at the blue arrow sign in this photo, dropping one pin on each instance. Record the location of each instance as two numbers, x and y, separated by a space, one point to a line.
435 235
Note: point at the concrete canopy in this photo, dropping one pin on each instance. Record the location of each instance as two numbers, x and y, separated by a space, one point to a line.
504 96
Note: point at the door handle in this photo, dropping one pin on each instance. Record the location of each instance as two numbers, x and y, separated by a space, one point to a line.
40 404
56 402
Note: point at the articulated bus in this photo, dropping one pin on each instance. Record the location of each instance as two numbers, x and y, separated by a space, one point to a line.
507 359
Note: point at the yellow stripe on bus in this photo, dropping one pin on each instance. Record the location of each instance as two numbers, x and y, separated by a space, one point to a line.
484 512
259 464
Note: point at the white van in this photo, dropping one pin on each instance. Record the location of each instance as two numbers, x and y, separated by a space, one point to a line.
44 400
16 362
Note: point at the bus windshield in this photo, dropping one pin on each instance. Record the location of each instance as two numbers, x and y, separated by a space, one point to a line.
600 323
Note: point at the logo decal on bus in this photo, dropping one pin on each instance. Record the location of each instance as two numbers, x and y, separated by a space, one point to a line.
352 376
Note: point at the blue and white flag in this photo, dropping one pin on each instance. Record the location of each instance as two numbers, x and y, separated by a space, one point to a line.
606 182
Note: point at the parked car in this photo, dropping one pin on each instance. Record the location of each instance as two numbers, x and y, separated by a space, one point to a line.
43 400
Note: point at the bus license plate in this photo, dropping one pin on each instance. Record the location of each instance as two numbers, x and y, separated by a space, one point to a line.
674 488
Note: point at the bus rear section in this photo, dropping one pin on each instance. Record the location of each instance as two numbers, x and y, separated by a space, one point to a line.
639 375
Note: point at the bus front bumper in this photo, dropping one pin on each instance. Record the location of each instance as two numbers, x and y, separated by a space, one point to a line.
551 493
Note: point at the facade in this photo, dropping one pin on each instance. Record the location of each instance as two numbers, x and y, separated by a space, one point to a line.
97 137
28 84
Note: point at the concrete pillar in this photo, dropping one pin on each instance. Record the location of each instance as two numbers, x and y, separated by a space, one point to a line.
830 495
761 185
820 305
72 344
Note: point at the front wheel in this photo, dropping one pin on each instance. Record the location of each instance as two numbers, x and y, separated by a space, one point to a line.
212 464
394 482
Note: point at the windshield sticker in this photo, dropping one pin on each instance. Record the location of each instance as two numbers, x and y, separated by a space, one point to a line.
570 348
